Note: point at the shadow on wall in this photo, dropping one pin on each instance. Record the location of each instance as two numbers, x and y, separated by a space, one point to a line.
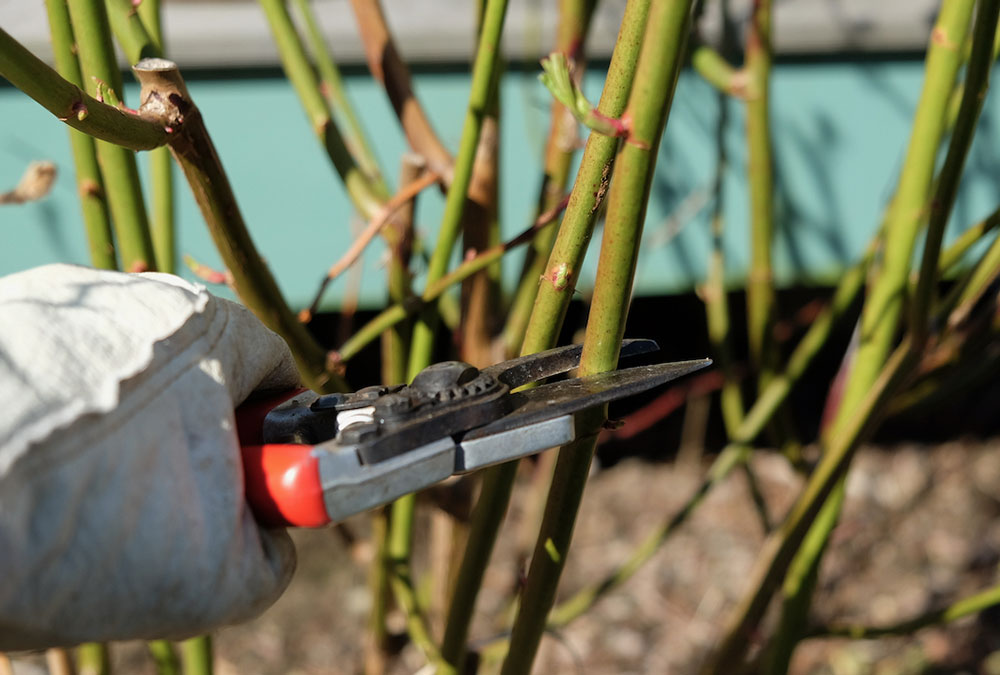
840 132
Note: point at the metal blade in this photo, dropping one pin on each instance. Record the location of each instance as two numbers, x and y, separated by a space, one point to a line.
533 367
575 394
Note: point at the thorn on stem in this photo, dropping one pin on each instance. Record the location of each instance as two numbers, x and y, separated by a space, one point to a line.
79 110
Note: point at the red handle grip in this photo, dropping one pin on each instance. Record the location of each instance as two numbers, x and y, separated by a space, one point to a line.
282 481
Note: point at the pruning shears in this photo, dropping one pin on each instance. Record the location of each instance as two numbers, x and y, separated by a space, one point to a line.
310 460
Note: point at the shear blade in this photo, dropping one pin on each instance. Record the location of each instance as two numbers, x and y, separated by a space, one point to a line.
548 401
523 370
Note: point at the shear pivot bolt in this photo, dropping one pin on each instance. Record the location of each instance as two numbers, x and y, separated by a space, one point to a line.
442 377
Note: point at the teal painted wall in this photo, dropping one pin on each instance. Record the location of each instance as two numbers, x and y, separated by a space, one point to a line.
840 132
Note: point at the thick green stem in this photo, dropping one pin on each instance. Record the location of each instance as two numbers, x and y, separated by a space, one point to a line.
804 568
161 172
780 386
165 98
661 55
648 108
977 81
574 25
851 283
118 165
71 104
552 545
400 546
781 546
138 40
589 189
333 89
196 655
90 185
584 599
483 70
366 196
151 16
494 494
527 290
880 317
91 657
804 571
543 326
800 583
760 175
737 451
863 396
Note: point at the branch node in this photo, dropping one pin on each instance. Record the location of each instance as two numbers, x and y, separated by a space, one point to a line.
559 276
558 79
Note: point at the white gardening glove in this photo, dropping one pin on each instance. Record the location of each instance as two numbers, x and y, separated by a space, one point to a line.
122 512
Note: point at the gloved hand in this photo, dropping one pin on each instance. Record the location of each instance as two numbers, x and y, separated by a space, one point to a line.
122 512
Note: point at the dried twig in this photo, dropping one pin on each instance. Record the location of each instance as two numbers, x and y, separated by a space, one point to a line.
388 67
34 184
400 199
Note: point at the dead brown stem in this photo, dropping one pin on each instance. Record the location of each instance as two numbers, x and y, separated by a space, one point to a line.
59 662
388 68
400 199
481 291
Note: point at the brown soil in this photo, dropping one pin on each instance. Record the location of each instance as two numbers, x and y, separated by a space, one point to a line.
919 530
